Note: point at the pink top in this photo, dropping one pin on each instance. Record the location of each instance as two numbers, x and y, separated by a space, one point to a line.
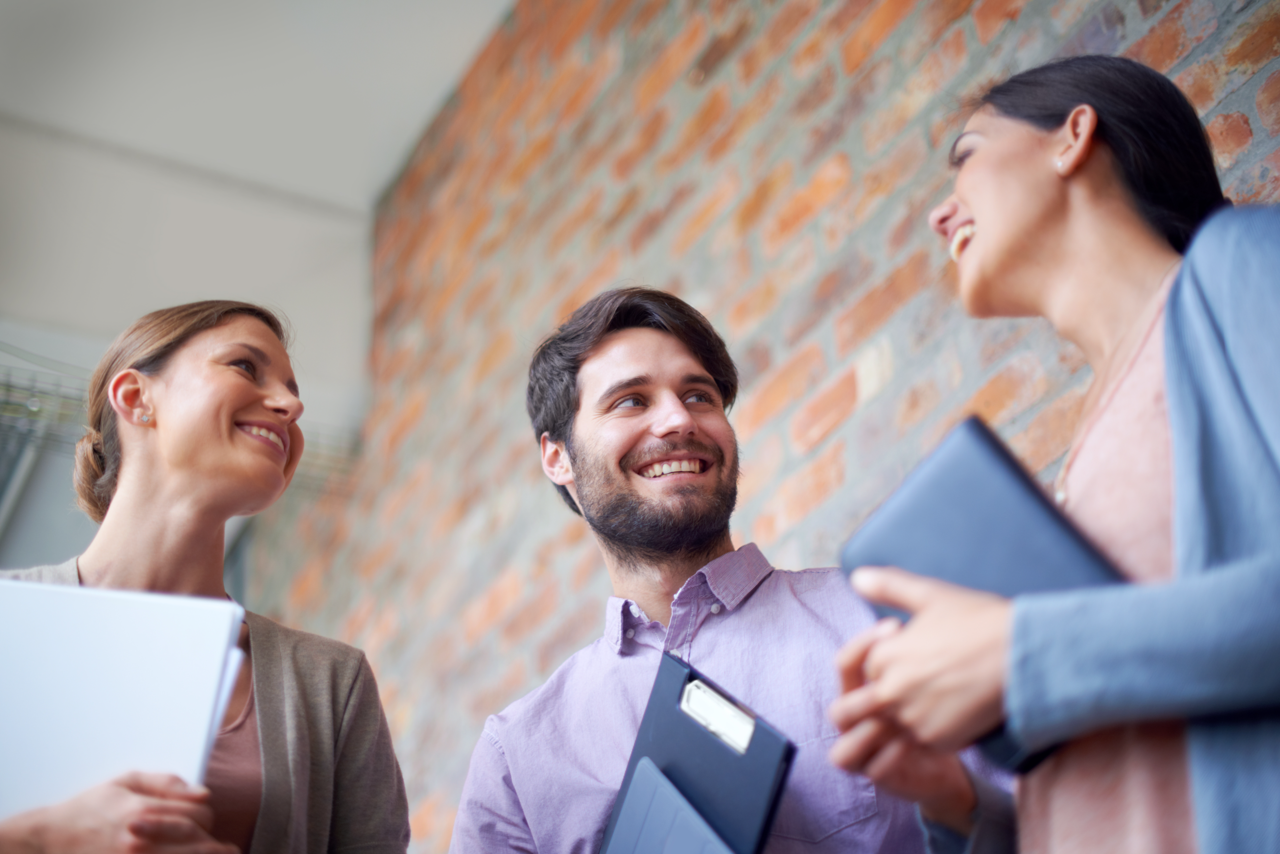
234 778
1123 790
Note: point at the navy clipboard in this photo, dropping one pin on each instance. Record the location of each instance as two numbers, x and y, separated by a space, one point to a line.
971 515
656 817
727 762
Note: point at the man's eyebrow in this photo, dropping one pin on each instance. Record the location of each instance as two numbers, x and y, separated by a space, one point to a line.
623 385
701 379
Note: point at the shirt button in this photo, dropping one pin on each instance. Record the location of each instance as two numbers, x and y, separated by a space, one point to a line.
715 608
635 610
631 633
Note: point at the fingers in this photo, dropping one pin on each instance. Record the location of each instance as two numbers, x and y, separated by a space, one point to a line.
897 588
850 709
167 786
851 658
853 750
176 835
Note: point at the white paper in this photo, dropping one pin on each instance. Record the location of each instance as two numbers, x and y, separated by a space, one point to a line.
96 683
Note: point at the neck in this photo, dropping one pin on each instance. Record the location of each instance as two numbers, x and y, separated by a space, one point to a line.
156 542
1109 267
652 581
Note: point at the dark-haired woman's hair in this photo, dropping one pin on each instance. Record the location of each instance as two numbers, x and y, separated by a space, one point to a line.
1159 144
145 346
551 398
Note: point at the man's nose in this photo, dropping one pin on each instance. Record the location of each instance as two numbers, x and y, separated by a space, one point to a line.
672 416
943 214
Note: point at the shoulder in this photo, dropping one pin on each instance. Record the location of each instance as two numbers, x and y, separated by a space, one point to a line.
62 573
1234 256
304 653
825 589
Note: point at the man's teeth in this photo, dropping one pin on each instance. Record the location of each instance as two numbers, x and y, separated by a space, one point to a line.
960 239
261 431
659 469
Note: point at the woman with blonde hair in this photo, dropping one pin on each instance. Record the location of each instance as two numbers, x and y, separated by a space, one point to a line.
1085 193
193 419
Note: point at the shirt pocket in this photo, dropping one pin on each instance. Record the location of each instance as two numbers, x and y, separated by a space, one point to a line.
820 799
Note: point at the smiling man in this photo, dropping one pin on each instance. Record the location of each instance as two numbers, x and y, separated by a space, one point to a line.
628 401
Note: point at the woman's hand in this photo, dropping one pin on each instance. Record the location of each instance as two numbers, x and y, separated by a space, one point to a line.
941 677
137 813
882 751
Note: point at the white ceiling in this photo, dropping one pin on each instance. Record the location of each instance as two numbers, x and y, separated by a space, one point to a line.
322 99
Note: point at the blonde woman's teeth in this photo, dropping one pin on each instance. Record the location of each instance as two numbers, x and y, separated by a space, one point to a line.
961 239
659 469
259 431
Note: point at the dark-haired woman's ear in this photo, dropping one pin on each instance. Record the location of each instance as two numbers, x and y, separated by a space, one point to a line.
129 397
1075 140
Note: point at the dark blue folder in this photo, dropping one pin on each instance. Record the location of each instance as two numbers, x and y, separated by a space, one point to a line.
971 515
655 817
734 785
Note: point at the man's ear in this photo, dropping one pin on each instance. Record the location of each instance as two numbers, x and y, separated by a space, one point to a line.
129 395
555 461
1076 139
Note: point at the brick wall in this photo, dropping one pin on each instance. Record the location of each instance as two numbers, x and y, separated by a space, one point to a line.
771 162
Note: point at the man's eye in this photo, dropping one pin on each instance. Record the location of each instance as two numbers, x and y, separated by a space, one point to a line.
699 397
628 403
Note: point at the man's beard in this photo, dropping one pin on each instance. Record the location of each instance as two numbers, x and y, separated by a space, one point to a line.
638 531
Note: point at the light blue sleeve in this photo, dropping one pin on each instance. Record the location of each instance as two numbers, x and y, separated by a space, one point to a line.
1209 643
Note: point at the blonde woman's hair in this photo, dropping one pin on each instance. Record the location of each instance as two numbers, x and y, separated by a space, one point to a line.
146 347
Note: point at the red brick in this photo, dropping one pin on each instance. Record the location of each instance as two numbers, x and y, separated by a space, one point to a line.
720 48
533 613
626 205
828 181
496 697
404 420
534 156
802 493
856 324
1012 391
754 306
914 219
873 80
612 17
916 404
432 819
1204 84
1049 434
646 15
888 175
817 46
671 64
495 354
1259 185
816 94
1173 37
713 205
1065 13
587 567
1231 136
850 272
999 338
776 38
936 71
697 132
646 139
756 108
649 224
307 589
1103 32
755 205
568 24
491 607
1252 45
574 223
1268 104
826 410
990 17
785 385
935 19
872 32
575 629
760 470
595 281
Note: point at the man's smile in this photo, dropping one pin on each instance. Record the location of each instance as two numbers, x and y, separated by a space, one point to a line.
664 467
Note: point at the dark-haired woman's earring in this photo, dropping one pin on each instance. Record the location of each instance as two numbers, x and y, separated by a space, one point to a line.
146 418
1059 167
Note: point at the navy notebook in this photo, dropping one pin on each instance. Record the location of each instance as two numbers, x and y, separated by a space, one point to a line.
728 763
971 515
656 817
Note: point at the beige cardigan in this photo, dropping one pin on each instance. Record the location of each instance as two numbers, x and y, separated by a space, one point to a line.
331 782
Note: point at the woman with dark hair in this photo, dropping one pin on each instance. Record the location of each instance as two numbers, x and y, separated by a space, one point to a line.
1085 193
193 419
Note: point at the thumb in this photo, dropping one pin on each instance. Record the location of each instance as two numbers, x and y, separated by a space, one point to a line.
897 588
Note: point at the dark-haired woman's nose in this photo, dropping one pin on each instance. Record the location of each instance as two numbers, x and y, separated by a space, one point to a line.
944 213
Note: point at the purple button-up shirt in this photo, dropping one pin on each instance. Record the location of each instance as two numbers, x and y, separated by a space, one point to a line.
546 771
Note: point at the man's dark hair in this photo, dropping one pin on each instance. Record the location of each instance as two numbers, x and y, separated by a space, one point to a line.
1160 147
552 396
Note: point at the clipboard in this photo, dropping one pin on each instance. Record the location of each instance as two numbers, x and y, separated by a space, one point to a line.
656 817
726 761
970 514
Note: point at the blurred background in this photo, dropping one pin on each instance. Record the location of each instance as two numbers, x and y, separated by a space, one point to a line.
426 189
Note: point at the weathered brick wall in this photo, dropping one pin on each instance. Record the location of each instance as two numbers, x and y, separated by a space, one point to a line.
772 162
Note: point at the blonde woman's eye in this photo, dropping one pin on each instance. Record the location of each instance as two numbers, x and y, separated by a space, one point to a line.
245 365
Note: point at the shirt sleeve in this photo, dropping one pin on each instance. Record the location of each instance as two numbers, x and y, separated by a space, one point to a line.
1206 644
490 817
370 809
995 821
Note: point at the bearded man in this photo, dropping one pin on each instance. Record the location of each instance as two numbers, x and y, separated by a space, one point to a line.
628 401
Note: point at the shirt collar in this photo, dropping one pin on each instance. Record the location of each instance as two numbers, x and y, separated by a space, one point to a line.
731 578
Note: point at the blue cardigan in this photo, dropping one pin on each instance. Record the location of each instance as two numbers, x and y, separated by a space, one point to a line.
1206 647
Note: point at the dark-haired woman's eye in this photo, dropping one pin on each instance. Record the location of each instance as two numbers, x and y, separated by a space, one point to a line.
957 158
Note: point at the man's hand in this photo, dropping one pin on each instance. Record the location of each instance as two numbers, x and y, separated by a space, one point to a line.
941 677
136 813
886 754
